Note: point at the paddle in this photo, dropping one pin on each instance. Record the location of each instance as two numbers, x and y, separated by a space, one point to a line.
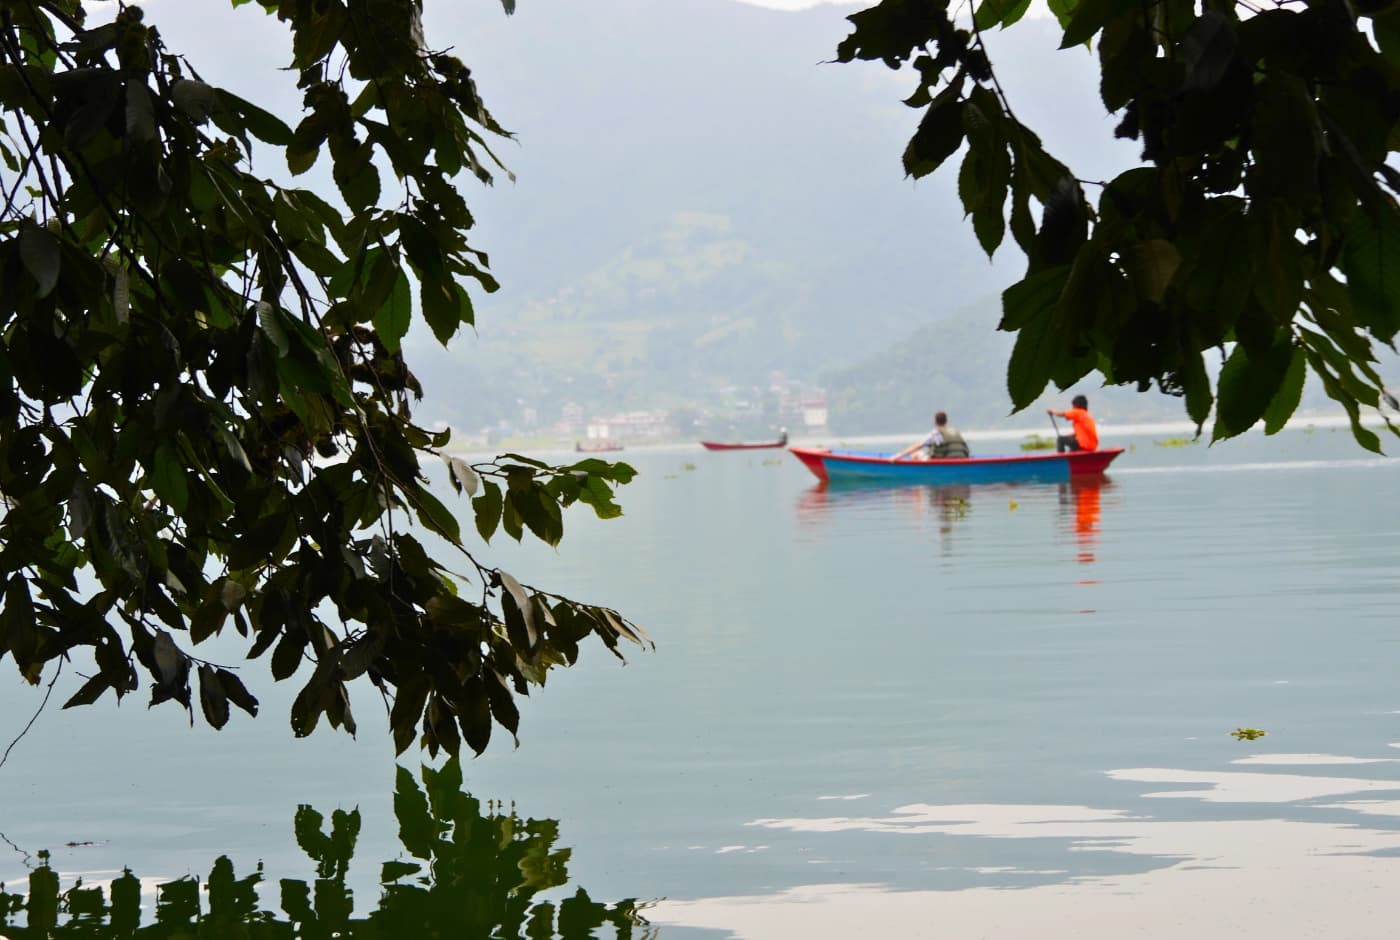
1054 424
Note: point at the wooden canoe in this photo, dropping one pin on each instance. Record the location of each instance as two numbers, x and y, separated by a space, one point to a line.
743 445
864 465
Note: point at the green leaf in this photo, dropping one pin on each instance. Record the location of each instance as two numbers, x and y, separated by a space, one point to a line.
392 319
1152 264
261 124
89 692
435 515
1247 386
1290 392
422 248
270 319
1033 360
1199 397
1002 13
1371 261
307 141
1337 393
287 657
446 305
234 448
140 114
1386 29
39 250
503 706
99 91
1219 276
359 183
1208 50
520 613
474 713
213 700
1031 297
1092 15
168 478
539 511
409 699
488 507
1064 223
440 727
939 134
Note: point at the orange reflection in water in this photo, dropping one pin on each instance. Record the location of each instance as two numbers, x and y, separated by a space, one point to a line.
1081 505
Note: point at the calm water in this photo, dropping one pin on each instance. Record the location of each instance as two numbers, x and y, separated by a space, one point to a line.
880 708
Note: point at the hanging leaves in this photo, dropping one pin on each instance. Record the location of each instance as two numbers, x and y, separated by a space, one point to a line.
237 451
1267 194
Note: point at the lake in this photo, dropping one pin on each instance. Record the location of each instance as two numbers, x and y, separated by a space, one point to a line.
901 711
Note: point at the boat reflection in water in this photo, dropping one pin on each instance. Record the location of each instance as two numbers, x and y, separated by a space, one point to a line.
944 506
465 871
949 508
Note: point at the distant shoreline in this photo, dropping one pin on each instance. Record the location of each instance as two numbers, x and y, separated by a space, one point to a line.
1107 430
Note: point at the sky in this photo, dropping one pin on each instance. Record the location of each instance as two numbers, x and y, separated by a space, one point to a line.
795 4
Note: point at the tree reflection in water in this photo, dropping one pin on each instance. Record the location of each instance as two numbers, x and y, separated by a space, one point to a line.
472 874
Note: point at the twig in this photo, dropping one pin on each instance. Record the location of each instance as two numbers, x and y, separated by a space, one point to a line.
47 692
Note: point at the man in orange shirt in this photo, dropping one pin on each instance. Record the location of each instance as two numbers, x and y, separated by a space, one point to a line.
1086 433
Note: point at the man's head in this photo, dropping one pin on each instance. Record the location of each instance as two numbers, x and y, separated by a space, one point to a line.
1079 401
940 418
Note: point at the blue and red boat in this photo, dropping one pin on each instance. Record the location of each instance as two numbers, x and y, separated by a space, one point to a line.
838 465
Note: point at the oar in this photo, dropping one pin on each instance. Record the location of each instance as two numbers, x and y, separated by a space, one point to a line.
1056 426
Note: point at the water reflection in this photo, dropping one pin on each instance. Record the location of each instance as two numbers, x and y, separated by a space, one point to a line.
468 872
1081 506
949 506
1329 869
946 506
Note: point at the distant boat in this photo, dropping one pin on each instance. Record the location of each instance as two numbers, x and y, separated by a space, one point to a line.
746 445
596 446
856 465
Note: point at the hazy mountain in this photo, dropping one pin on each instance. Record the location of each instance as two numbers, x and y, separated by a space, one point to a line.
959 365
702 199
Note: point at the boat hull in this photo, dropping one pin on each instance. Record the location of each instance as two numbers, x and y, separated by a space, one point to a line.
837 465
741 445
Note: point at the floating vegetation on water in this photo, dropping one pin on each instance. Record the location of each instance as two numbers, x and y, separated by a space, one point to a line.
1037 442
671 476
1247 734
772 463
688 466
1176 442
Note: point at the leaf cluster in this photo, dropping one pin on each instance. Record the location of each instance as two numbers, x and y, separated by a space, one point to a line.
205 412
1262 223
